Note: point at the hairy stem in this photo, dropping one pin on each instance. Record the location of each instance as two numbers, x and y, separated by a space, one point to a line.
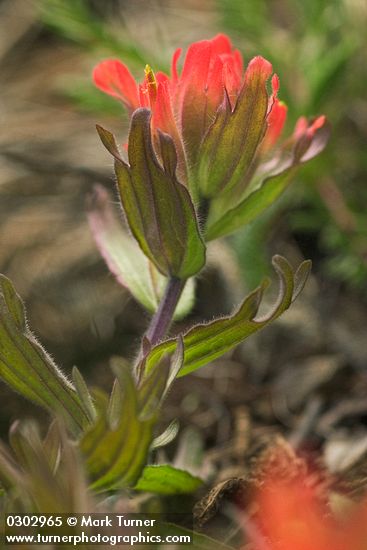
162 319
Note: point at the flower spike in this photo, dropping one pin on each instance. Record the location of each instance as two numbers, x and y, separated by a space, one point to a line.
225 126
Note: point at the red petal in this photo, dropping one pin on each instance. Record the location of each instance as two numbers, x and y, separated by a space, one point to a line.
221 44
300 128
143 95
316 125
175 58
215 85
161 77
197 62
276 120
163 115
164 120
258 68
275 85
192 101
232 79
114 78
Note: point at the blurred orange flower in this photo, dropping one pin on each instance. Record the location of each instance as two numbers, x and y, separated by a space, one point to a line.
294 515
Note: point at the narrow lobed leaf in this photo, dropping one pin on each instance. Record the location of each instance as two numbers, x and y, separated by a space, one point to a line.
152 388
206 342
115 455
28 369
157 381
249 208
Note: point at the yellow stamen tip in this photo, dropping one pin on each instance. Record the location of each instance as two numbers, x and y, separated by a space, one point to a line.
149 74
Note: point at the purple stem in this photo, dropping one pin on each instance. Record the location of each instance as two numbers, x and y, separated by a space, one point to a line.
162 319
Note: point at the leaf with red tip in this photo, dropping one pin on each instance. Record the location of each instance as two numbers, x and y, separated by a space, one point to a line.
193 97
231 142
276 120
114 78
224 218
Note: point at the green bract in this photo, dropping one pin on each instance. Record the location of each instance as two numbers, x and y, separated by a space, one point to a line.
115 447
158 208
127 262
228 149
230 211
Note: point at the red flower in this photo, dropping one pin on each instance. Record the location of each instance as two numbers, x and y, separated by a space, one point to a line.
224 123
185 105
295 515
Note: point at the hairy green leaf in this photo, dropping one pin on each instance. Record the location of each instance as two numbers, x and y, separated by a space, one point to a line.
26 366
205 342
251 207
84 395
164 479
42 475
126 260
152 388
115 448
158 208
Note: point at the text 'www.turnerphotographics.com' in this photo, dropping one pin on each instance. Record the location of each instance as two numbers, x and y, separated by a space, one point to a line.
97 529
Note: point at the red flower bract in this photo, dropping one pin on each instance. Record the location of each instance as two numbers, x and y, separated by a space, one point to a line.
225 124
185 105
210 66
